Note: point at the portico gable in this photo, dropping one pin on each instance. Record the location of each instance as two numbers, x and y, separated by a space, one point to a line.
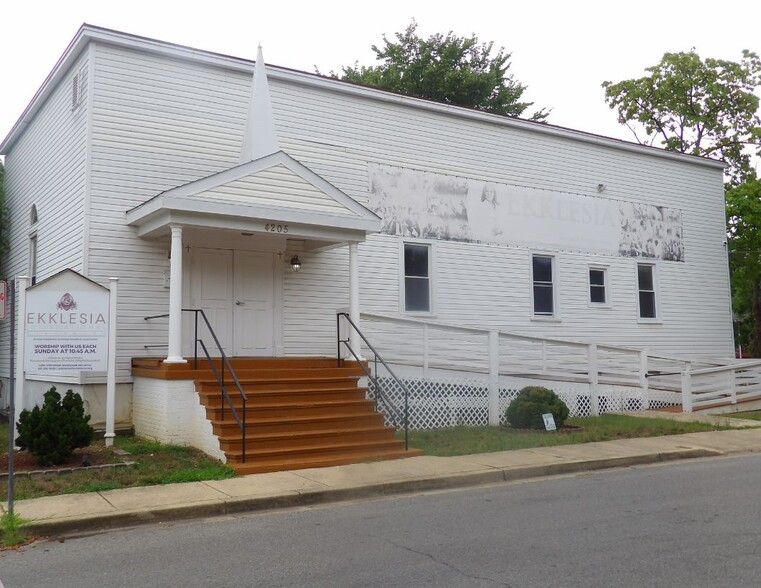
274 190
272 195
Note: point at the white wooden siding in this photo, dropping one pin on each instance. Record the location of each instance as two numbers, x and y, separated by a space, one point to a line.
158 123
483 285
311 299
275 186
46 167
489 287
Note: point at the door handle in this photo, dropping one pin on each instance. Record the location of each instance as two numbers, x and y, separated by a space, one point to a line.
239 303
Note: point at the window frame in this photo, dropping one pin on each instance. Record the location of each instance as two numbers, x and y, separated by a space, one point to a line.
555 315
606 285
431 247
655 292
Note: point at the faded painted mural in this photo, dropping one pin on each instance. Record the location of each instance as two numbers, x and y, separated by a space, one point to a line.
415 203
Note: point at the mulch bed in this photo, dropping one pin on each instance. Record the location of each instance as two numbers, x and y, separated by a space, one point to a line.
24 461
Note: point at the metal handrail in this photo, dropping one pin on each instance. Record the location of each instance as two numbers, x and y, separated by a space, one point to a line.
379 394
220 377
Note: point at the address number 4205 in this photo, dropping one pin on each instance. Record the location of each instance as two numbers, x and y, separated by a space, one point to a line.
275 228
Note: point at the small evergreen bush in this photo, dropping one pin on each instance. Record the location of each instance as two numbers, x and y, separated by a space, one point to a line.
526 410
53 432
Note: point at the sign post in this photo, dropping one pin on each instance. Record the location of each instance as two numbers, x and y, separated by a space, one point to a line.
11 404
113 284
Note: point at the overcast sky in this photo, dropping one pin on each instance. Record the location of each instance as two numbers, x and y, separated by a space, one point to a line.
562 50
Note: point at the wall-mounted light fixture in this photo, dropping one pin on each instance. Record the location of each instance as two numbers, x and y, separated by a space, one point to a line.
601 188
295 264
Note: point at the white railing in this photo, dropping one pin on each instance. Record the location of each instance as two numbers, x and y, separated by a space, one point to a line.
717 386
499 358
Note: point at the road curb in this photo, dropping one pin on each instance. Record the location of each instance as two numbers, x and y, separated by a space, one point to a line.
233 505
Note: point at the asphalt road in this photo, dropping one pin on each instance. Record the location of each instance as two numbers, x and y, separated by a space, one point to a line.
686 524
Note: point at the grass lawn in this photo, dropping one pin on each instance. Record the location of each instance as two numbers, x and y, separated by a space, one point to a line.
156 463
464 440
753 415
164 464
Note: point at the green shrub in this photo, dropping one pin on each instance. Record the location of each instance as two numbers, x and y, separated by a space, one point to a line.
53 432
526 410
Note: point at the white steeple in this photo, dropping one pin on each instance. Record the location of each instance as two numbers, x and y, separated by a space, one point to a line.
259 138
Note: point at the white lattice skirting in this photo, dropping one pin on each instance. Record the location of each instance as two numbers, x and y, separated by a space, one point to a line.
446 402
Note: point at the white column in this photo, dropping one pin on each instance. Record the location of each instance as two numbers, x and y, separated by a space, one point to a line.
354 339
113 284
643 381
687 388
594 376
174 355
493 378
21 284
426 361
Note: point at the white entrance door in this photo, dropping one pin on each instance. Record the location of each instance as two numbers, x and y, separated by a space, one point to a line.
211 289
254 292
236 291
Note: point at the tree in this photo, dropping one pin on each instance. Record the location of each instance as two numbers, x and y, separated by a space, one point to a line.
694 106
446 68
744 241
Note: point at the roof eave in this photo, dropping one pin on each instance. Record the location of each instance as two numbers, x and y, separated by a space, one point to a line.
154 219
89 33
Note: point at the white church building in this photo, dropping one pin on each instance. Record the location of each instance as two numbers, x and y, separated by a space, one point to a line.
202 181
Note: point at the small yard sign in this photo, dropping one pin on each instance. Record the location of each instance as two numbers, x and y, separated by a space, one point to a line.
549 422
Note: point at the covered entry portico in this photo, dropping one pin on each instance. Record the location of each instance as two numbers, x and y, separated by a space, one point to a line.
240 228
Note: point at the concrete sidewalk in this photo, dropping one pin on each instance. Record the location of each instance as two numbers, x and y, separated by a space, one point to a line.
80 513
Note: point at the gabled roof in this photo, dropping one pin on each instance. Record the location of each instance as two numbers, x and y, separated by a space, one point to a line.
272 188
88 33
68 278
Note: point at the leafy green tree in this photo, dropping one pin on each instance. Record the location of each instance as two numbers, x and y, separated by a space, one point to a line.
446 68
701 107
744 232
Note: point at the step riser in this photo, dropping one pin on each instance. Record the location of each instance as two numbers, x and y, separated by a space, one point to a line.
306 454
275 374
262 467
234 444
230 428
247 374
288 397
300 411
212 388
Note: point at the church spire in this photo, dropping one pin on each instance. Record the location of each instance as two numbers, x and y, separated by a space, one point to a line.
259 138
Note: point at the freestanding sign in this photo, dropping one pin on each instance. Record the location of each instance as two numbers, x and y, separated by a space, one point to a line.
66 323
